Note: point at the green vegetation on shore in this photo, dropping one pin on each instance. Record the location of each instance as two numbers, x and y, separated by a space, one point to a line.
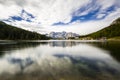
8 32
110 32
114 38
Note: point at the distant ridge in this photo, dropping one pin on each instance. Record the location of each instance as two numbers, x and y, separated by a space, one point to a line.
8 32
109 32
62 35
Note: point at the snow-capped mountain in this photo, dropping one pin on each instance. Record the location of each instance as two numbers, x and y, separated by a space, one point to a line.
64 35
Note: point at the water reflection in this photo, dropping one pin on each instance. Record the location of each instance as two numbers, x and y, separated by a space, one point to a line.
58 60
63 44
7 46
113 47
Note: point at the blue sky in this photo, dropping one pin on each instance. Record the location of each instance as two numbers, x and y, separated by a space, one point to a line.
20 18
43 16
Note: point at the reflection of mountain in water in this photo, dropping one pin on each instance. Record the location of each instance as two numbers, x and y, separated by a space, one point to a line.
63 43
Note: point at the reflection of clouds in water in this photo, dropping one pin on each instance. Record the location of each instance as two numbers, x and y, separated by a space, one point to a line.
28 65
47 59
8 68
84 50
49 64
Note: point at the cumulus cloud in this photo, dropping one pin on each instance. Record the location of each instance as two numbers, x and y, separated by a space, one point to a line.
70 12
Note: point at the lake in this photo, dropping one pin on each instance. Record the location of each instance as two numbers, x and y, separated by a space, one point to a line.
59 60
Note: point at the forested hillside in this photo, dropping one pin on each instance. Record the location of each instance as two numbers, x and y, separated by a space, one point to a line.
109 32
8 32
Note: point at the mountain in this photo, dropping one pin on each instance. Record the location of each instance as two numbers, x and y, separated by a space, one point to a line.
63 35
109 32
8 32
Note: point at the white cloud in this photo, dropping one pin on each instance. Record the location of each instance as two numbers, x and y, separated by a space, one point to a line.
106 3
81 28
48 12
6 11
101 15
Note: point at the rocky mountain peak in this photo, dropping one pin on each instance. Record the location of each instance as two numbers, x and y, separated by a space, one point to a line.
63 35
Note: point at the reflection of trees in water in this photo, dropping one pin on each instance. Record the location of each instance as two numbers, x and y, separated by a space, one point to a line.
113 47
16 45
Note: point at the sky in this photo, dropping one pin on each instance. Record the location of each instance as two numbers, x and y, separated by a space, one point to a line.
44 16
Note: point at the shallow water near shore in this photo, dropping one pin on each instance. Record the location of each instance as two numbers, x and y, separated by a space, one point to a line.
59 60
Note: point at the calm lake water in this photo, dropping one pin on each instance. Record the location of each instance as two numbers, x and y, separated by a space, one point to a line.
59 60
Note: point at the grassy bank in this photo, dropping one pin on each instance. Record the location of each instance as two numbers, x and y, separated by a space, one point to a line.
114 39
